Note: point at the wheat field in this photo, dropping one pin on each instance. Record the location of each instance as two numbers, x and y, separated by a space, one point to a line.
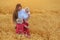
44 22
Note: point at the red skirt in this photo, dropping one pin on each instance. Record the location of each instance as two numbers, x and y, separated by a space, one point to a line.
19 28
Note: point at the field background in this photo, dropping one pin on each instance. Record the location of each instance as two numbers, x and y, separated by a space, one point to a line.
44 21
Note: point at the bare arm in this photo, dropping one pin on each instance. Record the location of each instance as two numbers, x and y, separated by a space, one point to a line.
28 15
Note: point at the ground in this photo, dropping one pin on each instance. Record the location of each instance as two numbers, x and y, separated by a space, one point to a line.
44 25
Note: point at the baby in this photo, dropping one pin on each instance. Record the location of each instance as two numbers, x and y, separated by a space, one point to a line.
27 12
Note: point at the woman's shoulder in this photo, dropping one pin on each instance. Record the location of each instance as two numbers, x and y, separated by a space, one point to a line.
23 9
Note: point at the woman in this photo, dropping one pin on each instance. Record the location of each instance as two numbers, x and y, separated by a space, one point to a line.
19 13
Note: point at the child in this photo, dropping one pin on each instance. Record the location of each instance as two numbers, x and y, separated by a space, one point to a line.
26 17
19 26
22 28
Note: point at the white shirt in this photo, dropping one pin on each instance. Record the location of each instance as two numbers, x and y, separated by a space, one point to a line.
22 14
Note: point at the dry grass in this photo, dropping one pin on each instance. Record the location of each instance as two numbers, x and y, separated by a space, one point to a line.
44 25
44 21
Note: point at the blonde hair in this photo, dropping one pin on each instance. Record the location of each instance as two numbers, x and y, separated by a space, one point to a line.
19 20
27 9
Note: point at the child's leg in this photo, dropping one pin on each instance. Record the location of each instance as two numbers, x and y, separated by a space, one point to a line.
26 32
26 29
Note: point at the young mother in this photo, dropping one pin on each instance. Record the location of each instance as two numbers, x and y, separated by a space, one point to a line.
17 14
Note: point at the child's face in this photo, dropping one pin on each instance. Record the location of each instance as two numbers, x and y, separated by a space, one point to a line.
20 21
26 10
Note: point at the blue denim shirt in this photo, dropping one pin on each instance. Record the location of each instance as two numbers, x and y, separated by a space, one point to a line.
22 14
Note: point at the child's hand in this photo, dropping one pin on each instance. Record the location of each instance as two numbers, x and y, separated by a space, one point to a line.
26 26
15 27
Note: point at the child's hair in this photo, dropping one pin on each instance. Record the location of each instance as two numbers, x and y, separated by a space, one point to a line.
15 14
27 9
19 20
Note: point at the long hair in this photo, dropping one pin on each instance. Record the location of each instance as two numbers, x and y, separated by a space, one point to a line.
15 14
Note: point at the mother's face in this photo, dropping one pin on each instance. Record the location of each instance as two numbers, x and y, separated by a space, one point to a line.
19 8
